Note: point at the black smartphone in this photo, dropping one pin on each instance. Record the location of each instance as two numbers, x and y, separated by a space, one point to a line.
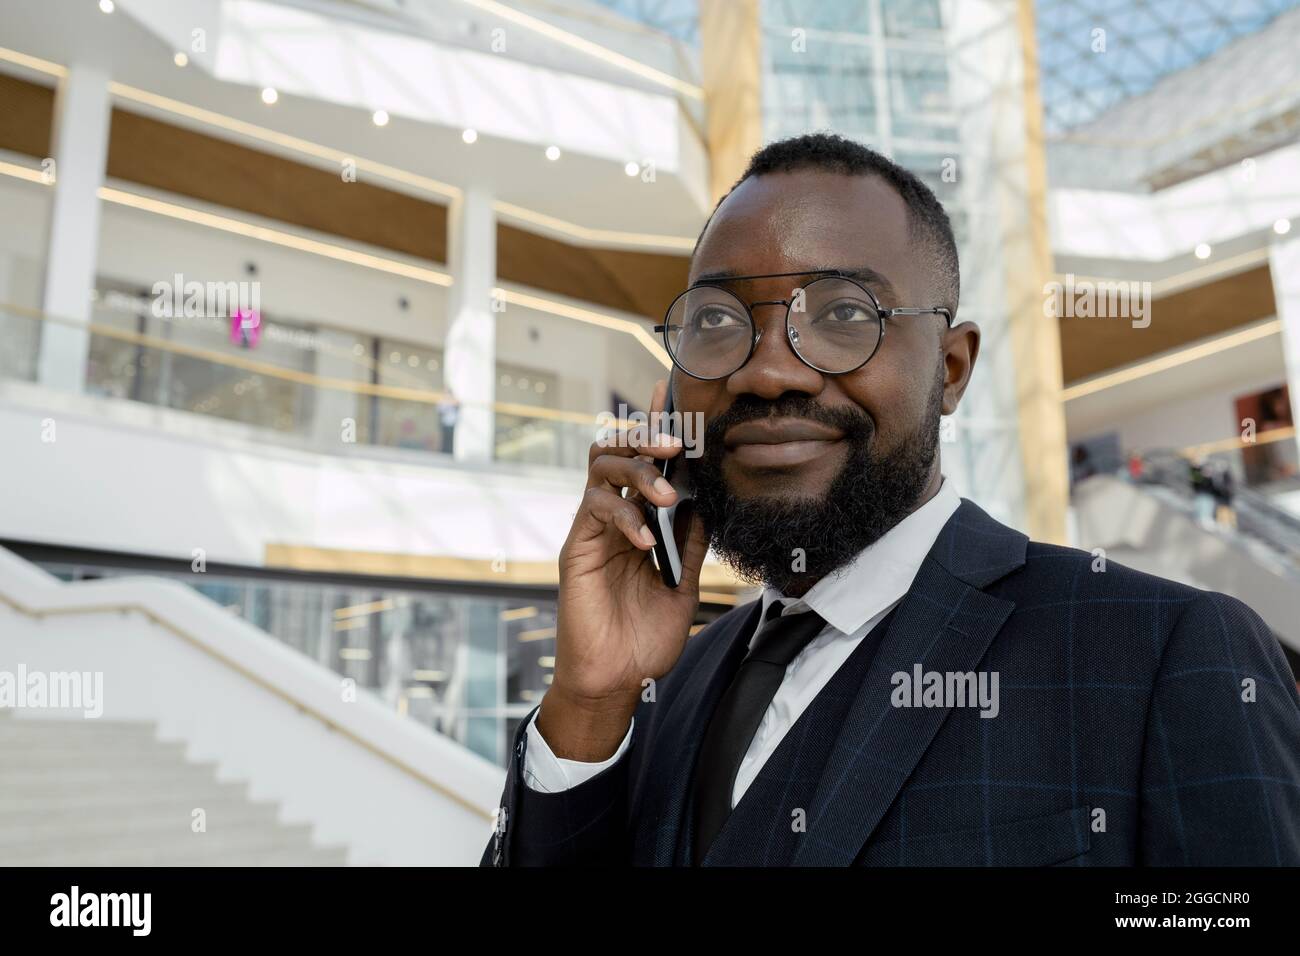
671 526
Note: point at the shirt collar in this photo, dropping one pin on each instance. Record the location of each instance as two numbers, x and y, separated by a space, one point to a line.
881 574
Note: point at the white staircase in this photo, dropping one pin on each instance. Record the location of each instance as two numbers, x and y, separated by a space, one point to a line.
193 708
91 793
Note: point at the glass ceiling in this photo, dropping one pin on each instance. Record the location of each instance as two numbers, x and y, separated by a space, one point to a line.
1144 41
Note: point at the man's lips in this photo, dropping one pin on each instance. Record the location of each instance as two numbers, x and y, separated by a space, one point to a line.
779 442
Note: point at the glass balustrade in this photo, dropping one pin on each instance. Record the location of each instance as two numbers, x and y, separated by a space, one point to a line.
319 388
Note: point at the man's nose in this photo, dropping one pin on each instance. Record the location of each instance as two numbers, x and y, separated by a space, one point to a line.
774 368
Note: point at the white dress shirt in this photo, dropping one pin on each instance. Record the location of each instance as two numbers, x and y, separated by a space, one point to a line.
852 601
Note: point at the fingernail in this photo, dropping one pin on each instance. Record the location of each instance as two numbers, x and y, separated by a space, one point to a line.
663 486
647 536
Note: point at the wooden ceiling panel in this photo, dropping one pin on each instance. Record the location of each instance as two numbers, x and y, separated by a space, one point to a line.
642 283
1091 346
26 116
188 163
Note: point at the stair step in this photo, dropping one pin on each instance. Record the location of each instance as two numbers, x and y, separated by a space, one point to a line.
122 741
79 729
183 842
125 795
99 826
110 793
15 779
85 758
196 849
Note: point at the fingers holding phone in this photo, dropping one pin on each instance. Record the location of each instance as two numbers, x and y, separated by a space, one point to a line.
618 624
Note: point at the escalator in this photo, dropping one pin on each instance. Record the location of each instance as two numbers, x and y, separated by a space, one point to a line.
1153 525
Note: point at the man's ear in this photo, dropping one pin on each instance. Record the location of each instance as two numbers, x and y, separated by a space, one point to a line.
961 346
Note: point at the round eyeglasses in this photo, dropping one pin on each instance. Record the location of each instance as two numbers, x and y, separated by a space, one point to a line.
833 324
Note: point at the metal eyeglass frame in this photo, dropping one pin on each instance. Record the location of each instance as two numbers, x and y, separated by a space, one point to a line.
757 333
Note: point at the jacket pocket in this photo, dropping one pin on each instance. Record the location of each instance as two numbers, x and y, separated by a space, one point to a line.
1038 841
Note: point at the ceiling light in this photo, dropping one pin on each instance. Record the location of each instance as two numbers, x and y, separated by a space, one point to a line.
106 5
1202 250
631 168
1282 226
380 117
469 135
552 153
269 95
180 59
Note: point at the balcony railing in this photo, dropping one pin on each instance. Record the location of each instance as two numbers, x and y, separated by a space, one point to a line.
378 393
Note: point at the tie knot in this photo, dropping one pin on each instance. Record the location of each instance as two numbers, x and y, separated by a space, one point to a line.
780 638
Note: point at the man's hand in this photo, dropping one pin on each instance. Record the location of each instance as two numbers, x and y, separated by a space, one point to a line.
617 623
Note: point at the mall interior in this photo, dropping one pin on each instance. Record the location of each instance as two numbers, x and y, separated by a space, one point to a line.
311 308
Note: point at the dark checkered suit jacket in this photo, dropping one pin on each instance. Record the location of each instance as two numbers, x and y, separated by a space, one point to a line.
1141 722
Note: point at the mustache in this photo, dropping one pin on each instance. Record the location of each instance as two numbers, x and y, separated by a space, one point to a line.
855 422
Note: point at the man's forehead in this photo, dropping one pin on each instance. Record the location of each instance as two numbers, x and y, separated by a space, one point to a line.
807 219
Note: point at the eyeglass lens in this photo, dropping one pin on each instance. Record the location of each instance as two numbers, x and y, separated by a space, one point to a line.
834 326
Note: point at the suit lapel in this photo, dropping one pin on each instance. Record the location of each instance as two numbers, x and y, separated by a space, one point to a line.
945 623
677 741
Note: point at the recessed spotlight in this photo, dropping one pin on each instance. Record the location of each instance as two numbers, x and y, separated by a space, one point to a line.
180 59
631 168
269 95
1203 250
1282 226
469 135
552 153
107 6
379 117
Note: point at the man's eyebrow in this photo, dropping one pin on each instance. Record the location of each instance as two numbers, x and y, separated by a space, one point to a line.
864 274
873 280
716 276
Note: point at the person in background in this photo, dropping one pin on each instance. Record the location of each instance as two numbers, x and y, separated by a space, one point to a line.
1081 466
1202 492
1135 467
448 413
1221 487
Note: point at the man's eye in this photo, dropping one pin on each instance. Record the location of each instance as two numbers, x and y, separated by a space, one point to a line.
709 320
847 311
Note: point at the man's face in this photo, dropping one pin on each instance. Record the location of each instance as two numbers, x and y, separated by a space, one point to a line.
794 458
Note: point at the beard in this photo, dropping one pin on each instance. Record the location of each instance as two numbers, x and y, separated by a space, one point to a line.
757 537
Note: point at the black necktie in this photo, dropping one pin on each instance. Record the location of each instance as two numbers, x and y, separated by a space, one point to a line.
777 642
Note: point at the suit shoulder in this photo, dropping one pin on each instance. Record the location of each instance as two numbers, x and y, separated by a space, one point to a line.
1085 576
1090 574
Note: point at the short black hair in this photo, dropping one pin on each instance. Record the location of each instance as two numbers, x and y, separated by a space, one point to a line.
832 153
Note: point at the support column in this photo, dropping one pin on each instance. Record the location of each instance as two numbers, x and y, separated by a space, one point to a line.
1015 424
1284 264
470 355
730 62
81 120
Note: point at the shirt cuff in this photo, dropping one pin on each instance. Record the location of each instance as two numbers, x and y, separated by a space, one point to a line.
545 772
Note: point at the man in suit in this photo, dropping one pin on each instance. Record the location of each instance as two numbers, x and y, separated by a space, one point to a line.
918 684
